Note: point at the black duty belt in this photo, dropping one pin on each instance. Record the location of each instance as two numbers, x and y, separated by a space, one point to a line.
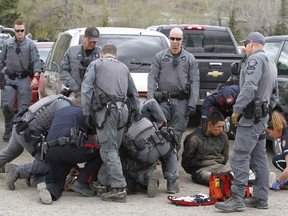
19 75
59 141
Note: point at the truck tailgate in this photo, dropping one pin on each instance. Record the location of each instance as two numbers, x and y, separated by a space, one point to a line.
214 69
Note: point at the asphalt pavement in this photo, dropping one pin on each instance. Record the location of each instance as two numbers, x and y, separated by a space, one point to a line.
24 200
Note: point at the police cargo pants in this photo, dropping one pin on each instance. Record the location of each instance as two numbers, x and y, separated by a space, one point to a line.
110 138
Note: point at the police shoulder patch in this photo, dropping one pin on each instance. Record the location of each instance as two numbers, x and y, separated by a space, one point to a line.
252 62
283 143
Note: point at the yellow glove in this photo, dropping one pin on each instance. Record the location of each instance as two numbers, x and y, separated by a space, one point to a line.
234 118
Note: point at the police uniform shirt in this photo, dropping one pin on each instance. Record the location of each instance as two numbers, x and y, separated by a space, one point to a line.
257 80
165 76
65 119
72 61
18 57
113 77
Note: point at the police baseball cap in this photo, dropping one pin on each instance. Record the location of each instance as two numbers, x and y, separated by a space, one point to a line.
92 33
255 37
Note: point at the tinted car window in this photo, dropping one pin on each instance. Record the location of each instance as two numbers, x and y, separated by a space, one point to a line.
199 41
282 64
271 49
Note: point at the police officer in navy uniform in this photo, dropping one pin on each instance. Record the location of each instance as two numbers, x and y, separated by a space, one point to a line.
68 144
27 133
22 60
77 58
258 92
107 85
223 101
173 81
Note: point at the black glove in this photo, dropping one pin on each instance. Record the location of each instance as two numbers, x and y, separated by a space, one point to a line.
191 111
88 122
66 92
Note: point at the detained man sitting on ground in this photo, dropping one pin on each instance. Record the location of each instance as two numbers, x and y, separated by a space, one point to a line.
206 150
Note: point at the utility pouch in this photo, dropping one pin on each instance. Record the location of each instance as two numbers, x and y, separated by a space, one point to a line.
258 108
104 99
265 109
158 96
2 80
248 112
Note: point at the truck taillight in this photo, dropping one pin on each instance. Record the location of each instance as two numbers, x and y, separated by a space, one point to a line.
194 28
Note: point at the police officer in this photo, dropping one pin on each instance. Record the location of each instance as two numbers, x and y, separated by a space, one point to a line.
27 133
68 145
258 91
22 60
77 58
223 101
173 81
143 145
107 84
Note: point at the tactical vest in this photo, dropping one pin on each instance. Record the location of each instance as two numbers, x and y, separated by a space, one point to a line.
148 142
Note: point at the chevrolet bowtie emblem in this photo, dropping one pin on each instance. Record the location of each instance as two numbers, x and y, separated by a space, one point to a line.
215 73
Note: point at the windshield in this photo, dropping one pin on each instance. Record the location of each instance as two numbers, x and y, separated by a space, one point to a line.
136 51
199 41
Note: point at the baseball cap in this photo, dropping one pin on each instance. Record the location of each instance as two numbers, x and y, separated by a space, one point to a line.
92 33
255 37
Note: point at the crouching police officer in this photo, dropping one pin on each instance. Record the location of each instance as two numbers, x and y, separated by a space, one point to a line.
28 133
139 164
143 145
67 145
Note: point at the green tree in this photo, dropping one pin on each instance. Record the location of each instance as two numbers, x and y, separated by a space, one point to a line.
232 23
8 12
281 27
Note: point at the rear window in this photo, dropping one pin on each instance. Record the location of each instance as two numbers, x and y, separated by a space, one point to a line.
136 51
208 41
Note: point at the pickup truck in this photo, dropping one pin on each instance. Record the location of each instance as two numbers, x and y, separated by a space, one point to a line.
214 48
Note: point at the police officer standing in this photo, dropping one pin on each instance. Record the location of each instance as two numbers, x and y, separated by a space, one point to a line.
22 60
107 84
77 58
258 91
173 81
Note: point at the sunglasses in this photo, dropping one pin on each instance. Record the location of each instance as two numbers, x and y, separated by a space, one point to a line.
246 43
19 30
175 38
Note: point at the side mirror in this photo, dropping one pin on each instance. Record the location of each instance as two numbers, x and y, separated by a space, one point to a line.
235 68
